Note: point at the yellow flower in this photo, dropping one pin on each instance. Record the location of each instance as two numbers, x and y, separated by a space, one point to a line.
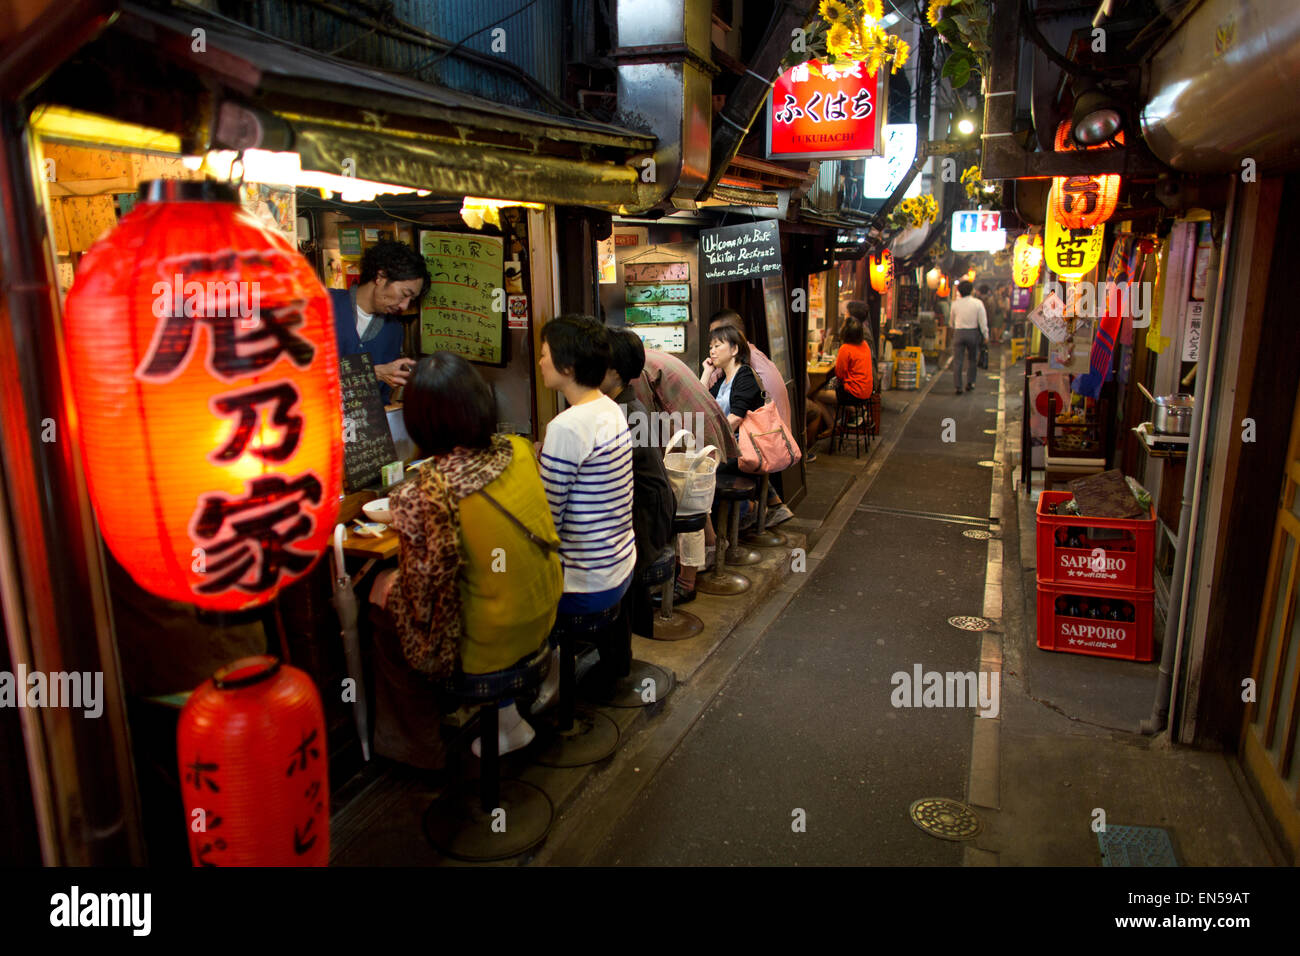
873 9
833 11
901 52
934 13
839 39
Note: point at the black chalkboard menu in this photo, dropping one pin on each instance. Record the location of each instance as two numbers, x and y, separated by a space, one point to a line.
737 253
909 299
367 440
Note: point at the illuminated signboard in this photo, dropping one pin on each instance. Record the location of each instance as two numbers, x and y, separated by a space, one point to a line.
975 230
824 112
883 173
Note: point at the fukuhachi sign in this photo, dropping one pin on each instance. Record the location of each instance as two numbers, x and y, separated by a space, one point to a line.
816 111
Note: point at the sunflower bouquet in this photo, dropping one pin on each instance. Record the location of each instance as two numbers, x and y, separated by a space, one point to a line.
977 190
914 213
964 26
854 33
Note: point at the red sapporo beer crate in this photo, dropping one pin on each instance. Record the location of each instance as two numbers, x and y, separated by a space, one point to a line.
1058 630
1124 562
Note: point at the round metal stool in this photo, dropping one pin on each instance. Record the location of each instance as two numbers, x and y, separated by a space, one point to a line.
581 735
720 580
761 537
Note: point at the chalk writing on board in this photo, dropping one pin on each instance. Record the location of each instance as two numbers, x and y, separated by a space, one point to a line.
369 442
734 253
464 309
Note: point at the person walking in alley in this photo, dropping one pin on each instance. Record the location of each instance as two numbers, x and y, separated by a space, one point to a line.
970 324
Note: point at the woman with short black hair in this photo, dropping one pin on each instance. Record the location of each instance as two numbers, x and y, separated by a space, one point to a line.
475 506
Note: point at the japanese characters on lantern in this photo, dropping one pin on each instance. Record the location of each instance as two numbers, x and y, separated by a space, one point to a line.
203 367
1071 253
1027 260
881 268
817 111
1083 201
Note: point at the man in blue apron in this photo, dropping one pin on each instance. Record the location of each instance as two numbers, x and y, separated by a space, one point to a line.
393 275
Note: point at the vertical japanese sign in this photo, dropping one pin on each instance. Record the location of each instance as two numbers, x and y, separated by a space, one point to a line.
1071 253
464 310
816 111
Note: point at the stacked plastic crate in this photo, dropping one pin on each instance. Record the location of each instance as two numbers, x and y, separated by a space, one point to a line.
1095 591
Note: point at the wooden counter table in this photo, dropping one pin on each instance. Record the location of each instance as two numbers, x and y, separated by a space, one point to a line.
818 373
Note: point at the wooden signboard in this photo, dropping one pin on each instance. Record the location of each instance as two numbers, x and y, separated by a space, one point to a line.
659 293
657 272
658 314
464 309
367 440
909 300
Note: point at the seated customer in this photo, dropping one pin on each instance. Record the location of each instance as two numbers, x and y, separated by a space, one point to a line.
586 464
853 363
653 503
467 513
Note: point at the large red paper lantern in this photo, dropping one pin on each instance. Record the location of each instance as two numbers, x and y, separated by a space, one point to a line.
1081 202
205 378
253 768
881 269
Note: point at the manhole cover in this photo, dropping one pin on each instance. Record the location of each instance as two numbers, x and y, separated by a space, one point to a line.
978 535
967 622
990 431
945 819
1136 846
986 463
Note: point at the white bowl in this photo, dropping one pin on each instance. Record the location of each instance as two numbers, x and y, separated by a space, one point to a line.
377 510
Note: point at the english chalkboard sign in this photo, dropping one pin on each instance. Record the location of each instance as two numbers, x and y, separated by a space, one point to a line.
737 253
367 441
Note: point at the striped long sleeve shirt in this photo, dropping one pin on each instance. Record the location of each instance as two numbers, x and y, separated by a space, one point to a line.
586 466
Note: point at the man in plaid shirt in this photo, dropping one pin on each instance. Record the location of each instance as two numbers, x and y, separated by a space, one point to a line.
668 385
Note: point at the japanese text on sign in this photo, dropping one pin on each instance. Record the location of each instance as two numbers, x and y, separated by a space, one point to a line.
464 309
819 111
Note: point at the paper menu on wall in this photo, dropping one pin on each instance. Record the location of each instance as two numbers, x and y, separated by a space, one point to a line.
464 309
1048 316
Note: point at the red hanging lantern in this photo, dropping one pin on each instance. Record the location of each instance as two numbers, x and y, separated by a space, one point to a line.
253 768
942 291
1081 202
1027 260
205 375
881 269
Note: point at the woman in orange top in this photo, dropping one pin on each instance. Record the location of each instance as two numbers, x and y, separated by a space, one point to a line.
853 365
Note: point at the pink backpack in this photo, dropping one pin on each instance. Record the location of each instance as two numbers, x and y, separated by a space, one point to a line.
766 445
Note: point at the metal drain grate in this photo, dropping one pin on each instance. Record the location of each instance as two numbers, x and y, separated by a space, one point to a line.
1136 846
945 819
968 622
978 535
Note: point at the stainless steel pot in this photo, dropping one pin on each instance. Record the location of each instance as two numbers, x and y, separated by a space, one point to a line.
1172 414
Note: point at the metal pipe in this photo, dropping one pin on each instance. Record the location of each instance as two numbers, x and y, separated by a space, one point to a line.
1166 694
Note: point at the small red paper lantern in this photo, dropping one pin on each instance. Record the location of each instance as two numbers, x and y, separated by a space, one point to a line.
942 291
254 768
205 376
881 269
1027 260
1081 202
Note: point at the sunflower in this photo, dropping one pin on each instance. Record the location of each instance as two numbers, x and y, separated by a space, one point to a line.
873 9
833 11
934 13
839 39
901 52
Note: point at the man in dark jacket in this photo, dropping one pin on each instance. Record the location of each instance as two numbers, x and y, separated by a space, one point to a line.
653 503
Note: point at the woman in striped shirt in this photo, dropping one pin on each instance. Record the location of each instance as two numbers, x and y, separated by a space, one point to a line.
586 465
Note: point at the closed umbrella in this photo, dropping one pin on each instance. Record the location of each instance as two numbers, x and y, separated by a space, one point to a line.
345 603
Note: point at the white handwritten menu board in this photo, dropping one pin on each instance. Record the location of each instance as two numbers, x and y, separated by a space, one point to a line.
367 440
464 309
